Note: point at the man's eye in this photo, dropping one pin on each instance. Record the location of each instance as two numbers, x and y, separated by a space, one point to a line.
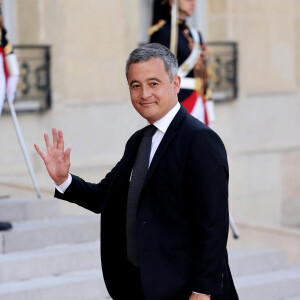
153 83
135 86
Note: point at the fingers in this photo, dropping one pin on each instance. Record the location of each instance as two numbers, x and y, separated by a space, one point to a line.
55 138
47 141
60 144
67 155
39 151
58 139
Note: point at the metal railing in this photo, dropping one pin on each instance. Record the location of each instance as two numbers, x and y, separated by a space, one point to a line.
223 70
34 86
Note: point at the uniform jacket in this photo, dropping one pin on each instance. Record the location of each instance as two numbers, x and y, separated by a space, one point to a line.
182 218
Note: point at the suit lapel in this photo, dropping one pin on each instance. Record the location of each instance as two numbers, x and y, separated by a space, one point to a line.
168 137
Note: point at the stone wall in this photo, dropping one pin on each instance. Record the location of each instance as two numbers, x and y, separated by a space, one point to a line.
89 40
260 128
266 32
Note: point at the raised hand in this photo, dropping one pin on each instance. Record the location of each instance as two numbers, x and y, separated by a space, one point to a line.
57 160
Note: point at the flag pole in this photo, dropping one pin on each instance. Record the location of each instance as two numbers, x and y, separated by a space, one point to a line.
233 227
174 28
22 143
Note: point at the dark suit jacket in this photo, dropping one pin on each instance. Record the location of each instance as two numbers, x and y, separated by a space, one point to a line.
182 218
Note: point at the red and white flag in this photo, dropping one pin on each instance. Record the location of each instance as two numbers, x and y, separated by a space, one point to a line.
3 78
9 76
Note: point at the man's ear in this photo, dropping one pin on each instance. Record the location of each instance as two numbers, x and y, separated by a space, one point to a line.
176 83
170 2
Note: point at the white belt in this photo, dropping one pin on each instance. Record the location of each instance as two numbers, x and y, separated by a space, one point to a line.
188 83
192 59
191 84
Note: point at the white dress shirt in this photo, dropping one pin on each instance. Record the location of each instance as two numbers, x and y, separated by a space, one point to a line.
162 126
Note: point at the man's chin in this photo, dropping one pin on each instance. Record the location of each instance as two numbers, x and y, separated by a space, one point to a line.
151 118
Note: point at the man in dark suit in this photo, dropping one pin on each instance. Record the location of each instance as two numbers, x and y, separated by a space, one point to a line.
176 248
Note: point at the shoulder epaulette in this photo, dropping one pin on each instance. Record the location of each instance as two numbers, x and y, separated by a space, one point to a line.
156 27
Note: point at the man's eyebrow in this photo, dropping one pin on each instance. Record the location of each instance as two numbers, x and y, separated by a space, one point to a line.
148 79
154 78
133 81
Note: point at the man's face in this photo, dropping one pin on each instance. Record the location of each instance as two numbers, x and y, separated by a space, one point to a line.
152 92
186 8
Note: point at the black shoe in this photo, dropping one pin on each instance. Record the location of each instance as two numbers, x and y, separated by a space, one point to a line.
5 226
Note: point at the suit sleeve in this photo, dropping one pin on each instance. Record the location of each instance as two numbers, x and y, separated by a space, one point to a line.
88 195
92 195
208 193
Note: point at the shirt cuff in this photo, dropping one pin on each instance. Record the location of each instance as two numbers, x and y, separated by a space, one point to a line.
199 293
63 187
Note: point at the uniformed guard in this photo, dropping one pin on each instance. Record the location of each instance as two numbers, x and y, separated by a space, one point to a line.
5 49
171 30
9 70
191 52
3 76
9 76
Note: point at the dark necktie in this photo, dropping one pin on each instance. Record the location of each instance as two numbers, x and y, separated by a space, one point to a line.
139 172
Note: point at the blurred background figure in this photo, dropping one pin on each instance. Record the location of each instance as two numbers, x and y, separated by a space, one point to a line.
3 70
9 71
191 53
5 50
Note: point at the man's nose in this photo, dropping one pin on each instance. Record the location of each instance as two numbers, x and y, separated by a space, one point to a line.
146 92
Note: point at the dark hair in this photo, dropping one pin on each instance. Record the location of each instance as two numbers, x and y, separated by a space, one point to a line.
154 50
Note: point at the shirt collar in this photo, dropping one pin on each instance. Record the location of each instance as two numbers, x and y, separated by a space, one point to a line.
163 124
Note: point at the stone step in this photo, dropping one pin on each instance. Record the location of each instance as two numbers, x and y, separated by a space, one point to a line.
86 285
23 209
55 260
24 265
89 285
41 233
246 262
275 285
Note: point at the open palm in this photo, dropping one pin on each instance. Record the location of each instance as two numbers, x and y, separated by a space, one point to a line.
57 160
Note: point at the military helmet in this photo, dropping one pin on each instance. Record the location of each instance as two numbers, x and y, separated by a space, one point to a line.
161 10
